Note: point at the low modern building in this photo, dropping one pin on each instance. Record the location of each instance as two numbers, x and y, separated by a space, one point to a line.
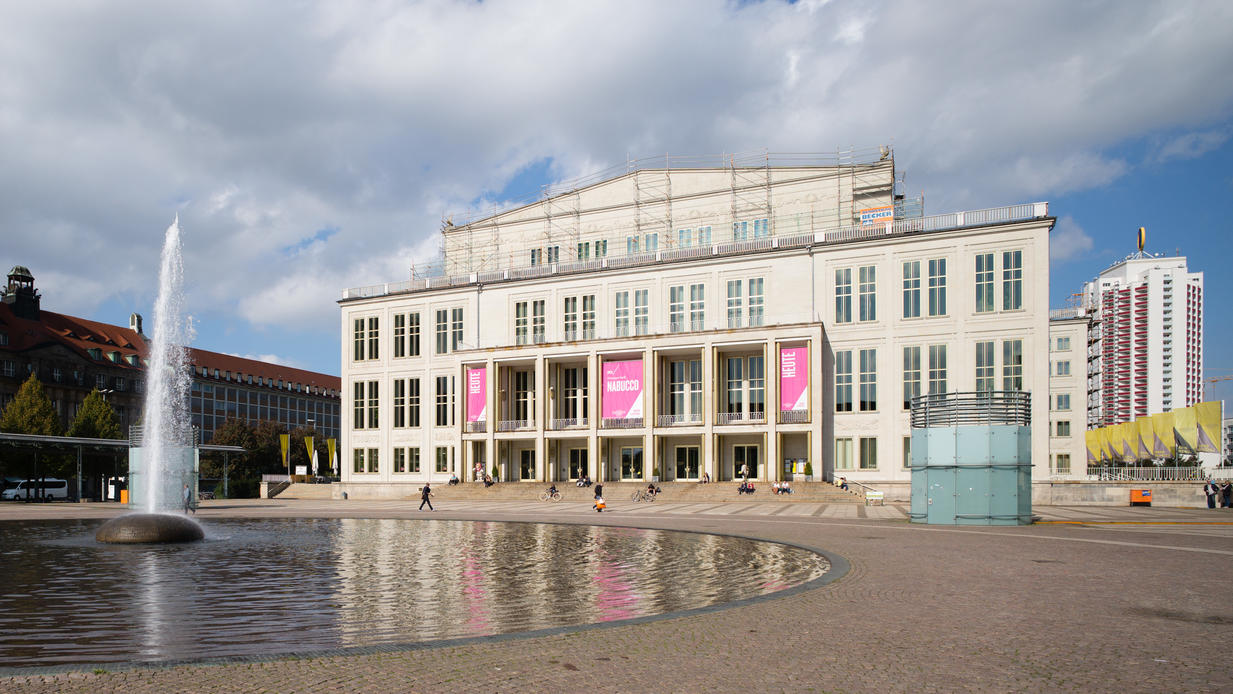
695 319
73 356
1068 392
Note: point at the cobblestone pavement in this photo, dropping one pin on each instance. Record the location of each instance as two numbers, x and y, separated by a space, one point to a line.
1094 599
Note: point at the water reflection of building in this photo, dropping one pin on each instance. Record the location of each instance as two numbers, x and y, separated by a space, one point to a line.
72 356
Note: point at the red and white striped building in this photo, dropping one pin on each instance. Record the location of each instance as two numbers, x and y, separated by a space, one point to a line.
1145 348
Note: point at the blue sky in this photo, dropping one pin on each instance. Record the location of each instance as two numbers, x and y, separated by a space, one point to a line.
311 146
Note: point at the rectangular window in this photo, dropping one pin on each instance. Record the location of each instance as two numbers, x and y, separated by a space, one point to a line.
588 317
575 403
1063 428
869 453
911 375
536 256
359 345
1063 401
1012 280
601 249
521 323
537 321
357 460
1063 344
621 314
984 282
704 236
652 243
523 396
757 386
400 407
984 367
455 329
676 308
373 422
400 460
1012 365
843 381
843 295
413 459
413 334
443 332
554 254
762 228
571 318
697 306
868 292
372 337
631 245
911 289
684 237
413 402
937 287
754 286
736 385
1062 465
843 454
1063 367
443 459
937 369
869 380
443 401
740 231
357 402
735 303
584 250
642 312
372 460
400 335
907 452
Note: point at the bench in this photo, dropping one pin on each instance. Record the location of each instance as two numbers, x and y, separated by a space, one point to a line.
872 496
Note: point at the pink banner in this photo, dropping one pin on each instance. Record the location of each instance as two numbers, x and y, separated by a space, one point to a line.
622 397
477 394
793 379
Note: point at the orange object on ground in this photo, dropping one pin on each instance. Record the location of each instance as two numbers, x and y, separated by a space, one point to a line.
124 496
1140 497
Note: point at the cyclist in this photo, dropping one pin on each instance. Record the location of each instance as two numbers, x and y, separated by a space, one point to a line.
652 490
552 489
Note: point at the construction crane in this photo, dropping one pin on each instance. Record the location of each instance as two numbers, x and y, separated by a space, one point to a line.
1207 383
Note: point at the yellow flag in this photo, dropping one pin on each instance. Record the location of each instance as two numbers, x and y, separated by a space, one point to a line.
308 443
1186 429
1162 434
329 446
284 442
1126 436
1145 433
1207 416
1091 437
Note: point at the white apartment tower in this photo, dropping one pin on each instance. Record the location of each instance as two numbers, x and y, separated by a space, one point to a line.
1146 343
683 318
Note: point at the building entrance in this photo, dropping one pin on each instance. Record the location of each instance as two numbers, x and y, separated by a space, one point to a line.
687 462
631 463
577 463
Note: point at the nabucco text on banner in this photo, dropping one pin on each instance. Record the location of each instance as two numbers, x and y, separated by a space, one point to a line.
477 394
793 379
622 398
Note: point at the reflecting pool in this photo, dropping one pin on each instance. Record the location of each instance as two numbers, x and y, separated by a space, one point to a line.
257 587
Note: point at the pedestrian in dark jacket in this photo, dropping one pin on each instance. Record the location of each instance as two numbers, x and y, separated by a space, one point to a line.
1226 495
426 492
1211 490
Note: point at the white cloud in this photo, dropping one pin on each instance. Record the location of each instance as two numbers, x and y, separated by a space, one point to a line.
265 123
1191 145
269 359
1068 241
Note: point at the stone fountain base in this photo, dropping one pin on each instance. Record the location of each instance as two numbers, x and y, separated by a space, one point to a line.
149 528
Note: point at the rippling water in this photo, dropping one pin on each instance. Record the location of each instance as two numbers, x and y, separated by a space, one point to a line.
260 587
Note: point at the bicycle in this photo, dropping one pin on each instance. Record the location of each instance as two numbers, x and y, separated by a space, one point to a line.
643 495
546 496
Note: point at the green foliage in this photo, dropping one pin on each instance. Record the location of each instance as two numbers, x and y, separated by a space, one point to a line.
808 468
31 412
494 472
95 419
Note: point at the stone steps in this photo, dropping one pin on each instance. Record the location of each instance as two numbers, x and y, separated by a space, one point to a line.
681 492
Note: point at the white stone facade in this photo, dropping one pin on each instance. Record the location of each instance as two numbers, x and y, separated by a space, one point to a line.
954 302
1068 396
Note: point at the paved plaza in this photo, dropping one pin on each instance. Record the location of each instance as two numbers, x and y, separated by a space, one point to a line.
1090 599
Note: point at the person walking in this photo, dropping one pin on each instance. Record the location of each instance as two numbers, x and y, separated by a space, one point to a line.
188 501
1211 490
1226 495
426 492
599 495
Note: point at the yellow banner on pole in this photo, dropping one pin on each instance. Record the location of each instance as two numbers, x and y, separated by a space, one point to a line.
1186 429
1091 438
329 446
1207 420
1162 434
1127 433
284 442
1145 434
308 443
1107 453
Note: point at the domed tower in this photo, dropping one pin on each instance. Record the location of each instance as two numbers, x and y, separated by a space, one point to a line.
20 293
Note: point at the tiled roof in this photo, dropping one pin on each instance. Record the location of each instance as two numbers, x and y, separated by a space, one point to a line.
81 335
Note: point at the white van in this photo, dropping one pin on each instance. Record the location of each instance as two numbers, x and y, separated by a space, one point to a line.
52 488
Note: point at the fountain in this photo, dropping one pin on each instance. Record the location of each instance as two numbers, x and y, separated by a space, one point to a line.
163 459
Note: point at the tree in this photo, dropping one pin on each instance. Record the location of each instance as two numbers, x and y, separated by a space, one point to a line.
96 419
31 412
